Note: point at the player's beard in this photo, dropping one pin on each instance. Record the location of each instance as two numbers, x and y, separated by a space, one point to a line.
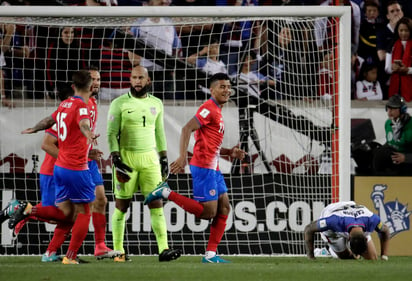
95 93
140 93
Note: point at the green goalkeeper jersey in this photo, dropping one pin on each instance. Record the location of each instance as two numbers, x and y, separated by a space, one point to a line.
136 124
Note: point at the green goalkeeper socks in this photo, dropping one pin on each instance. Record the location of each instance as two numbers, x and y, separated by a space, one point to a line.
159 228
118 227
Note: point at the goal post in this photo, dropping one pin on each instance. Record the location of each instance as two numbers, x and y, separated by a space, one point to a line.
298 141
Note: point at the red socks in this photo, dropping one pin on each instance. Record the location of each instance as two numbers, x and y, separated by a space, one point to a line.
47 213
187 204
60 234
79 232
99 224
216 232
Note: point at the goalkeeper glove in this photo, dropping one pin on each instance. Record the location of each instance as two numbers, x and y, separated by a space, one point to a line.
164 167
121 169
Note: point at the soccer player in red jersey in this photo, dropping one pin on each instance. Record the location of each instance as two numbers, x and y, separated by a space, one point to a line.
99 205
74 187
74 184
46 210
210 201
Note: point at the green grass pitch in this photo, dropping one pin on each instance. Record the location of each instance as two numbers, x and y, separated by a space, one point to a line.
250 268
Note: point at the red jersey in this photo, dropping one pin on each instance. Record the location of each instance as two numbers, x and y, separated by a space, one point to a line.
47 166
92 106
73 147
209 137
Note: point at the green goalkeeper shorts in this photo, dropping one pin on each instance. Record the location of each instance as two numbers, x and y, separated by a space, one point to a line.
146 174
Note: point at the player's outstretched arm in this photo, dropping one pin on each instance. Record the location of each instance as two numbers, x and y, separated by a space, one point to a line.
44 124
310 230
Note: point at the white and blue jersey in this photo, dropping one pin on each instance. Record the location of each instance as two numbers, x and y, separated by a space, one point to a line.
337 219
342 216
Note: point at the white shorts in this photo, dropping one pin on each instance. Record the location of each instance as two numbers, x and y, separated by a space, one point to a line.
338 243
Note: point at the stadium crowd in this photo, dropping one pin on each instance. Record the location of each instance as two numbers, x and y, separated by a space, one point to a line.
379 48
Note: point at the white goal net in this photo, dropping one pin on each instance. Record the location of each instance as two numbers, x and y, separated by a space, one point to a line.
289 110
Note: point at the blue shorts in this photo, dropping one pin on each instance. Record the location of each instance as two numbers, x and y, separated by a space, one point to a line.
48 190
76 186
208 184
94 171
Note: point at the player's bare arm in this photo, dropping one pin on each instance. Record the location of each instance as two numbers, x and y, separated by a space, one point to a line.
234 152
310 230
384 236
49 145
180 163
95 154
43 124
84 125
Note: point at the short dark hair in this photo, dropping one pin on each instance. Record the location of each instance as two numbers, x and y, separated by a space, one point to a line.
91 67
392 2
218 76
373 3
365 68
82 79
358 243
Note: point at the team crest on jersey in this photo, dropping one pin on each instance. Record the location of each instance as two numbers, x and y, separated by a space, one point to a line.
212 192
83 111
394 214
153 110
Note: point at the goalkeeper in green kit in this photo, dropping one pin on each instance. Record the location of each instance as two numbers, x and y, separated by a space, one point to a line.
137 144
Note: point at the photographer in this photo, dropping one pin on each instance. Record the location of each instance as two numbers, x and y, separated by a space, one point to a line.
395 156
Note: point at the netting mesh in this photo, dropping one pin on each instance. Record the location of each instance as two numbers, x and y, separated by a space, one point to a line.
283 72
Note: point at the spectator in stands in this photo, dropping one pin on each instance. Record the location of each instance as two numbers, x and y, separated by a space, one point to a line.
286 50
115 67
251 99
253 81
288 2
405 4
159 35
368 30
62 61
237 37
395 156
15 58
192 3
208 58
399 62
324 28
385 39
368 88
327 85
6 36
194 35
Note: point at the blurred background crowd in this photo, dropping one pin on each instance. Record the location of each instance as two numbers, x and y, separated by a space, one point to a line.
261 54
